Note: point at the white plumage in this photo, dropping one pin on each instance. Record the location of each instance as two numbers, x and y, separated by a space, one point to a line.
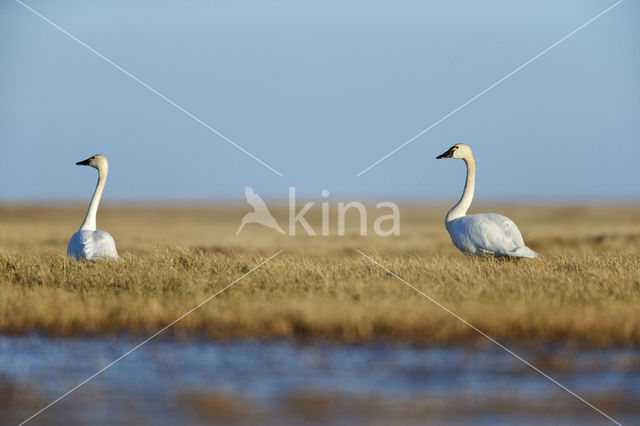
92 245
88 243
481 234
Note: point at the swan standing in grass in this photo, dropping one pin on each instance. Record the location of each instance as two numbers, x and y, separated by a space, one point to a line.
481 234
88 243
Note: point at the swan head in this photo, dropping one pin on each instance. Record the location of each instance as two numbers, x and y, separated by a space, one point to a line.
97 161
459 150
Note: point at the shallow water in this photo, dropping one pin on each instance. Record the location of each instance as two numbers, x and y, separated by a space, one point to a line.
204 382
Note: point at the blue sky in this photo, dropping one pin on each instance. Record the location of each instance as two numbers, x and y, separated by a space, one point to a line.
320 90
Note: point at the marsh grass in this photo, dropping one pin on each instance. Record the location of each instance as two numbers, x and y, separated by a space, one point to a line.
584 288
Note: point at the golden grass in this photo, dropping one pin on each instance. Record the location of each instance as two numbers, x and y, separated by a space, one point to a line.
585 287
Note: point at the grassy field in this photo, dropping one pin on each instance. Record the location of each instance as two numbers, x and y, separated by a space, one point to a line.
584 288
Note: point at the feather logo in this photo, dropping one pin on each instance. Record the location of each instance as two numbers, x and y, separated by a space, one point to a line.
260 213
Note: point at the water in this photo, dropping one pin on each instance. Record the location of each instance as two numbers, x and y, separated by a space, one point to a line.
287 382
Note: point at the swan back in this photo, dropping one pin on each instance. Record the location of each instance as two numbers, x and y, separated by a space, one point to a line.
488 234
92 245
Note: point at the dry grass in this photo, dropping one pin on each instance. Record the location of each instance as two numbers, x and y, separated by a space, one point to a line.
585 288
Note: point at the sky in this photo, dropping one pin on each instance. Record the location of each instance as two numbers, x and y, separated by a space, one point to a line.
319 91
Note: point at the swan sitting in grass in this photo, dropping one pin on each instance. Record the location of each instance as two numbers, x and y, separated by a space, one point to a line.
481 234
88 243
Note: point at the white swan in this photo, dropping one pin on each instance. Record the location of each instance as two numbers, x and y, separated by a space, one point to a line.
481 234
88 243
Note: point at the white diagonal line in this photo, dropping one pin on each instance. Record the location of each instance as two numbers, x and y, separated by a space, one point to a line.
145 85
489 88
432 300
147 339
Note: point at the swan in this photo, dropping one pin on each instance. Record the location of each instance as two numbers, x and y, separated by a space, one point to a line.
481 234
88 243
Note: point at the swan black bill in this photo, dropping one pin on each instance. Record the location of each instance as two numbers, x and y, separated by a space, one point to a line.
447 154
84 162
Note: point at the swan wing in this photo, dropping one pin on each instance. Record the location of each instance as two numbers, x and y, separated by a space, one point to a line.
92 245
104 246
254 199
75 247
487 233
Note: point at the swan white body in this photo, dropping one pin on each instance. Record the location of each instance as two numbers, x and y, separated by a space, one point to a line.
481 234
92 245
88 243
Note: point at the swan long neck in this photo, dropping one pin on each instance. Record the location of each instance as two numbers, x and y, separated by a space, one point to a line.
89 223
461 207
